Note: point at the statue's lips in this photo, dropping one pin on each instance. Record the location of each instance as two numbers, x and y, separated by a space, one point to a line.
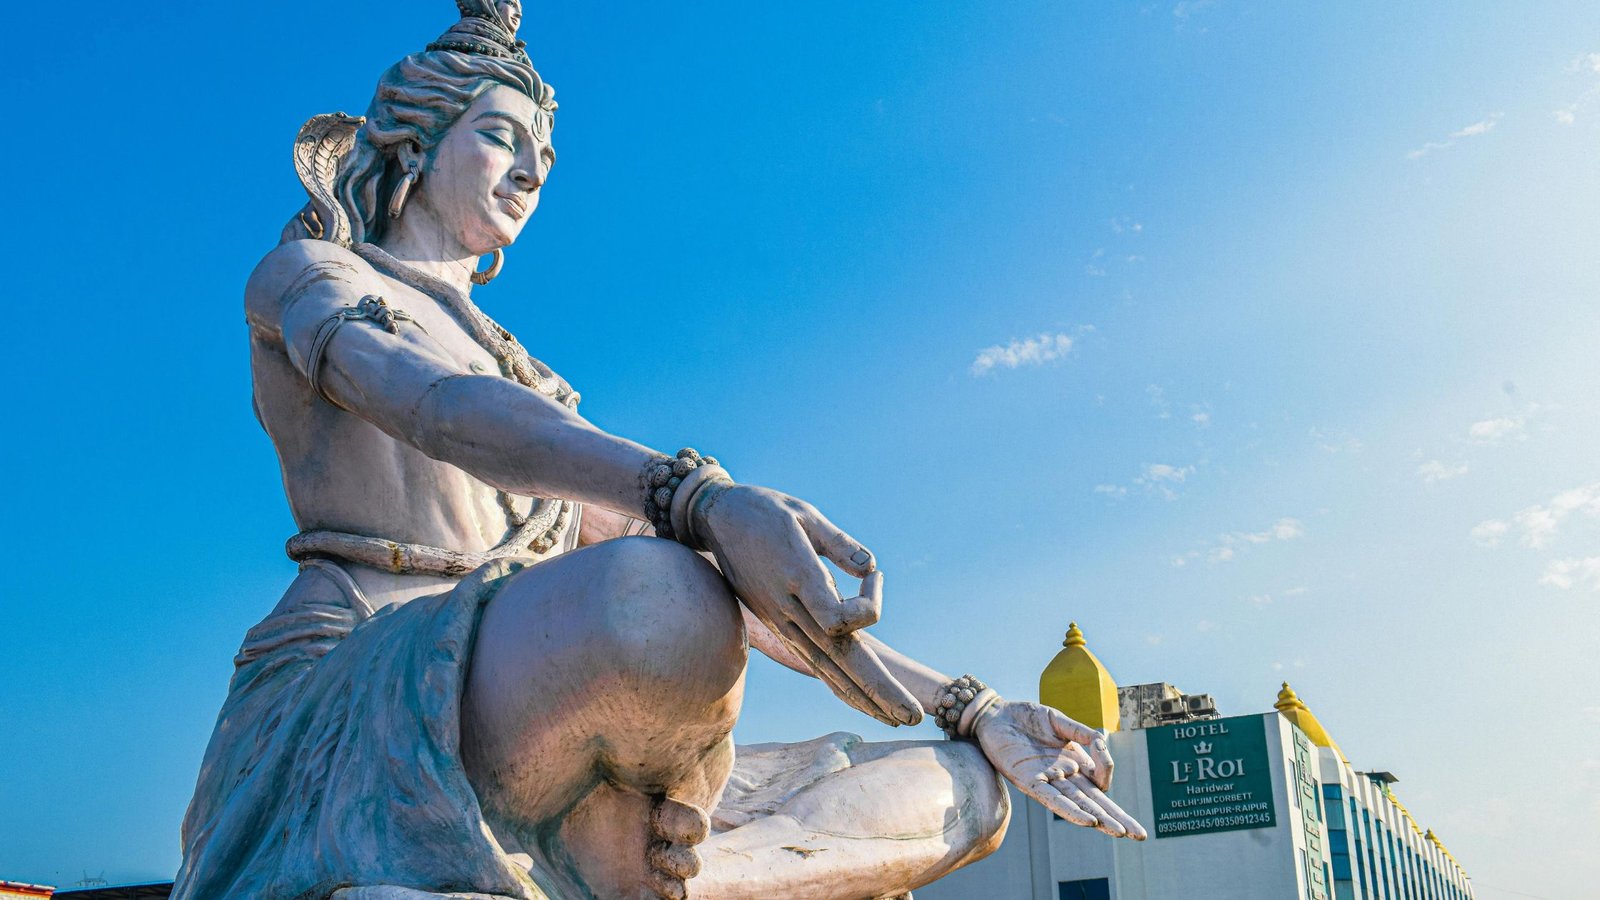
514 204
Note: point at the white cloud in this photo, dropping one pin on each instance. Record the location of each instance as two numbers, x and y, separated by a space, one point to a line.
1573 572
1587 65
1490 431
1588 62
1539 524
1159 478
1164 472
1433 471
1476 129
1187 8
1034 351
1111 490
1281 530
1228 547
1489 532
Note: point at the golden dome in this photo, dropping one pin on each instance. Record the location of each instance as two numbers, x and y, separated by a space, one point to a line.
1295 710
1077 684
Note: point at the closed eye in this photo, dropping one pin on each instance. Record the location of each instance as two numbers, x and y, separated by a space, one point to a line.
499 137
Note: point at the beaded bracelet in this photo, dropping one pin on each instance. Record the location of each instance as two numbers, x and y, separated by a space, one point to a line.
956 699
661 478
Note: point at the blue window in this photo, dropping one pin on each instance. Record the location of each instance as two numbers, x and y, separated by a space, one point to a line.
1087 889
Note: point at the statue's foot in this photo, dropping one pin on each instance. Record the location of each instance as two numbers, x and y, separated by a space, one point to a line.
676 828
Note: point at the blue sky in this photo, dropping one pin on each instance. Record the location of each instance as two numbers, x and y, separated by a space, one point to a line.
1257 338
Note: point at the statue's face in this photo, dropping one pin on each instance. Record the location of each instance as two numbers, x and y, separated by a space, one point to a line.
482 180
511 13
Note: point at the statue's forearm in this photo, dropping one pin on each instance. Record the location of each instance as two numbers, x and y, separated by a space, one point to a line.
518 440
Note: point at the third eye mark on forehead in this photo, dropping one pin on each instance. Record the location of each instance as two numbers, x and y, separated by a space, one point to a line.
519 126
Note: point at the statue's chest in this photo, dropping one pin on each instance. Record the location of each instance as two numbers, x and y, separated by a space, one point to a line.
448 335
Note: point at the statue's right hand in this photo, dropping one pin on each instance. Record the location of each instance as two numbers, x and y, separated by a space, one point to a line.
767 545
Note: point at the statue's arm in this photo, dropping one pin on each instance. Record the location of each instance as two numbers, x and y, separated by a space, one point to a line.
403 382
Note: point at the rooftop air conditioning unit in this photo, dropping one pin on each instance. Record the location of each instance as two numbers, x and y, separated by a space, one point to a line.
1171 708
1200 705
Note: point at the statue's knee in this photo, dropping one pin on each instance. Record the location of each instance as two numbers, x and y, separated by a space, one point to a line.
669 613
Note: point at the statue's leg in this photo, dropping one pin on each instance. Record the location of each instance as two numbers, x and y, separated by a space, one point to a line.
901 815
597 718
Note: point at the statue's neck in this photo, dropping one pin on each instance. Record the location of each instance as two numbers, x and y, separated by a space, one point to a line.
426 250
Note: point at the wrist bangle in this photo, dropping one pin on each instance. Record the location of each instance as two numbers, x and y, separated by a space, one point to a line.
660 478
955 699
974 711
685 500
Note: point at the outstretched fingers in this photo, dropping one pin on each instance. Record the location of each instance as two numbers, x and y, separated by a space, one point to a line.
1110 812
1076 788
1045 790
1099 763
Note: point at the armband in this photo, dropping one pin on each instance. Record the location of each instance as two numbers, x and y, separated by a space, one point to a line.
372 308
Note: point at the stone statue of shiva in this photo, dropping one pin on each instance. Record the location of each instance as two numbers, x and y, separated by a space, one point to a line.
512 659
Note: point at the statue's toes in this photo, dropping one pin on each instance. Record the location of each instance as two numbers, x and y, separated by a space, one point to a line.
677 860
676 822
665 884
676 828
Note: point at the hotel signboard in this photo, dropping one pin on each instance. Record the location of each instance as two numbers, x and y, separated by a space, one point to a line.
1209 776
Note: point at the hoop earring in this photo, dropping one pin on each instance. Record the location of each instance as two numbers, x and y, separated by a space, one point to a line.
487 275
401 192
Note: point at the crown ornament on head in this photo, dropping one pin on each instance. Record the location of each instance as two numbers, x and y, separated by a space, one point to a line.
487 28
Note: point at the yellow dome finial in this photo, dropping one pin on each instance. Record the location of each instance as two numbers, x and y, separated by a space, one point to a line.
1288 700
1295 710
1077 684
1074 636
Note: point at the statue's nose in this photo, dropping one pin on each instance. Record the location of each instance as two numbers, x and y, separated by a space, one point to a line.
526 180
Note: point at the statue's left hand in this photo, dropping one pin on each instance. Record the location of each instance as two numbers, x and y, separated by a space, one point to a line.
769 546
1056 761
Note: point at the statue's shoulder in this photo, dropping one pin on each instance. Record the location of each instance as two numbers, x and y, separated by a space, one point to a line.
293 267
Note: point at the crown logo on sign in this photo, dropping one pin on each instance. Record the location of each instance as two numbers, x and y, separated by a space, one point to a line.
1202 749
